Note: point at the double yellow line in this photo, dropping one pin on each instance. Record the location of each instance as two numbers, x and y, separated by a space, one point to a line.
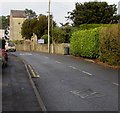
33 72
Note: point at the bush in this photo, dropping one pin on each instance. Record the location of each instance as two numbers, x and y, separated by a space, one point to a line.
45 37
110 44
92 26
85 43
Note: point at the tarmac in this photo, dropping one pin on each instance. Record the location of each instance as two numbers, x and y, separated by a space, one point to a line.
17 91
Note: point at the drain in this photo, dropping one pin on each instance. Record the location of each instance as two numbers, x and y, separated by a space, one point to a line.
87 93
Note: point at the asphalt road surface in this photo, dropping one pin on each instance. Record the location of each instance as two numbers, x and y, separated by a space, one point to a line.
17 91
70 84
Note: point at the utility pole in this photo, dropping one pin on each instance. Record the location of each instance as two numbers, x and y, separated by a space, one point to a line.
49 27
52 34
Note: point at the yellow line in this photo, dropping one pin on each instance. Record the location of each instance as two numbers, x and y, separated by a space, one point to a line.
32 71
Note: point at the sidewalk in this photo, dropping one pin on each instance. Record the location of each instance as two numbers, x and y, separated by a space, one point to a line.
17 91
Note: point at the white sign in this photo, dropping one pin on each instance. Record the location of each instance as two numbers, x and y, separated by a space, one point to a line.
40 41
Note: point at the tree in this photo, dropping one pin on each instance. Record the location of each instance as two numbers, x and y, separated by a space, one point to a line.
30 13
58 35
41 28
92 13
38 26
4 22
27 28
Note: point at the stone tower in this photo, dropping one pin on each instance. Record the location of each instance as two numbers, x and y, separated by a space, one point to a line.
17 17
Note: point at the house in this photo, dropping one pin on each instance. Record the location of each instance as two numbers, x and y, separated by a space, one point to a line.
17 17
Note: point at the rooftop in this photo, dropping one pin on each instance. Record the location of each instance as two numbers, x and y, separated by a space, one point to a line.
18 13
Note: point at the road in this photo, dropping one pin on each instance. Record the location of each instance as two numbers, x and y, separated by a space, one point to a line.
17 91
70 84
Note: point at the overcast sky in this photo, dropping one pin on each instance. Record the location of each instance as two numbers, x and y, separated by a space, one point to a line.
59 8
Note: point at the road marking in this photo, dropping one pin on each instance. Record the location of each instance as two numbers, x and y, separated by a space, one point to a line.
81 70
58 62
87 73
115 83
46 57
25 54
37 93
33 73
73 67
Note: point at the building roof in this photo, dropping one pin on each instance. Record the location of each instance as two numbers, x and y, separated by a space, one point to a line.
18 13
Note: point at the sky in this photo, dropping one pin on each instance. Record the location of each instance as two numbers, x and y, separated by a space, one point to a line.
59 8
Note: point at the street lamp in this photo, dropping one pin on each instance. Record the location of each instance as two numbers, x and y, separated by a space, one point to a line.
49 27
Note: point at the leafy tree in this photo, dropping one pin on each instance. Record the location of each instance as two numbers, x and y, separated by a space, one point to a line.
42 25
38 26
30 13
58 35
92 13
27 28
4 22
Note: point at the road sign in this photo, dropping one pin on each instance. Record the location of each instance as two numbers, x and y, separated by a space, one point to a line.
40 41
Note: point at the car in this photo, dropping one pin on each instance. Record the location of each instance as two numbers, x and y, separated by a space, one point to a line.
10 47
3 53
3 57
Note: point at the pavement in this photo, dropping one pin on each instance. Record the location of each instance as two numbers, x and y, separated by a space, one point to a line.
17 91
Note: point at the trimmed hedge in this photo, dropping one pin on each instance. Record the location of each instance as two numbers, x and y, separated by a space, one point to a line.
110 45
92 26
85 43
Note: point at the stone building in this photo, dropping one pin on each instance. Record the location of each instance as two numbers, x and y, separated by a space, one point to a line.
17 17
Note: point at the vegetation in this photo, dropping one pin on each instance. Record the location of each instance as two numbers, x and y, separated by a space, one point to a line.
38 26
45 37
28 27
85 43
30 13
92 26
4 22
92 13
110 45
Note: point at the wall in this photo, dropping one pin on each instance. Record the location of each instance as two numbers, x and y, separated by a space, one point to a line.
32 46
15 28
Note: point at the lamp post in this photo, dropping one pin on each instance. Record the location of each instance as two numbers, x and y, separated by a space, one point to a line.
49 27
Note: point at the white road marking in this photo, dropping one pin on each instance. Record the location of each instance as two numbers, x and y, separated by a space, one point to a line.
58 62
73 67
46 57
87 73
25 54
115 83
81 70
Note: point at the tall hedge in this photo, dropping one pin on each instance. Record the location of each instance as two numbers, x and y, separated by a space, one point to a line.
85 43
92 26
110 45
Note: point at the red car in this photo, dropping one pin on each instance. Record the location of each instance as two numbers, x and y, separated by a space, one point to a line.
4 54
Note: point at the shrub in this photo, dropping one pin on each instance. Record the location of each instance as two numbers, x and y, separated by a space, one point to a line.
110 44
45 37
92 26
85 43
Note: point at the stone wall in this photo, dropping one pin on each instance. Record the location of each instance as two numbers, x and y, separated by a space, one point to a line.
31 46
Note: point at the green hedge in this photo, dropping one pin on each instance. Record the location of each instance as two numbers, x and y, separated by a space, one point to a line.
85 43
110 45
92 26
45 37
